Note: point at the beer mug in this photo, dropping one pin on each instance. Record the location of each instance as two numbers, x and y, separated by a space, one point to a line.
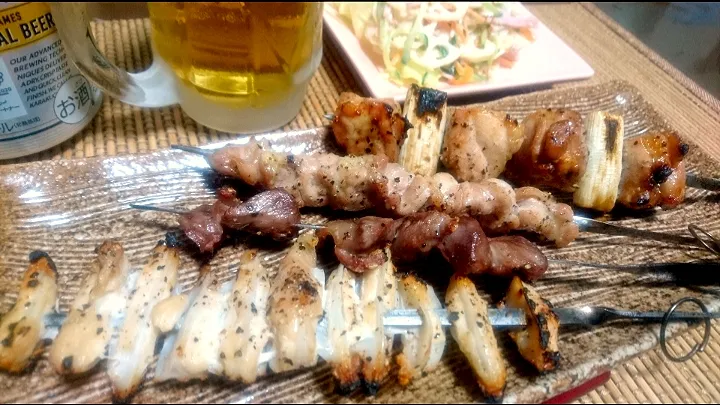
233 67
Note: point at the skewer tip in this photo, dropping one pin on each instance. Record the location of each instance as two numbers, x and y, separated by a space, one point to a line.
152 208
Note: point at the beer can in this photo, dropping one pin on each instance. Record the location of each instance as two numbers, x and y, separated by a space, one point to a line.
44 100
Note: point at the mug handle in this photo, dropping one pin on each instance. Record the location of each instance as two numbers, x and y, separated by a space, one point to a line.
153 87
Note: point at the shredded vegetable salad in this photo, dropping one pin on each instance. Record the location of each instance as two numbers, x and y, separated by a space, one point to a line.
429 43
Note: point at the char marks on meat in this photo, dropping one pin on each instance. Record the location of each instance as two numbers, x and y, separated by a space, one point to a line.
369 126
554 152
653 171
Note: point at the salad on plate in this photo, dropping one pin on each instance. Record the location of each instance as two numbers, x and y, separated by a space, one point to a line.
437 43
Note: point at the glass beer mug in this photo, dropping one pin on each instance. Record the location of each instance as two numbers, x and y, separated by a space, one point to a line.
234 67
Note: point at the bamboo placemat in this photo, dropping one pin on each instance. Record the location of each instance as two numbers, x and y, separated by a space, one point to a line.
608 48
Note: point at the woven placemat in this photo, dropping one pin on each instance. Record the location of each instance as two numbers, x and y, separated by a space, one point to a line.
608 48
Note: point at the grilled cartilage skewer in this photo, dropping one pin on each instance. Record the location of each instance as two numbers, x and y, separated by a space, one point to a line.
22 329
247 329
84 338
135 346
473 332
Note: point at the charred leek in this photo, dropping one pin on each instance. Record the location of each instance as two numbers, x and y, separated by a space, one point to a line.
426 110
598 186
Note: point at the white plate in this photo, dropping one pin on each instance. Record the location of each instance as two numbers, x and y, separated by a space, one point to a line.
547 60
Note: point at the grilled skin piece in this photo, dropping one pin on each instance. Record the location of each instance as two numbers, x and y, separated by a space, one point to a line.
653 171
369 126
85 335
22 329
296 306
129 360
538 342
479 143
553 153
473 332
364 182
247 329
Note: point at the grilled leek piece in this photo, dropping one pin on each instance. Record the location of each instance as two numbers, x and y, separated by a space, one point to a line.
598 186
426 110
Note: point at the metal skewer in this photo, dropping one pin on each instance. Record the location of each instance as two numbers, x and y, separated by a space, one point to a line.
400 320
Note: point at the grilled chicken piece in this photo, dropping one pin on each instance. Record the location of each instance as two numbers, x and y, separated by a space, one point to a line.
539 212
194 352
247 328
479 143
474 334
296 306
360 183
423 347
553 153
22 330
135 346
369 126
538 342
653 172
85 335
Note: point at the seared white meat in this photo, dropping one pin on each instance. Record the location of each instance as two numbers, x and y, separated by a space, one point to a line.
364 125
540 213
492 201
247 330
85 335
422 347
473 332
478 143
195 351
359 183
134 349
296 306
23 328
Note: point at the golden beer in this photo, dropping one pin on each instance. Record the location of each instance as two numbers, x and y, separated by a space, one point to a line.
244 55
